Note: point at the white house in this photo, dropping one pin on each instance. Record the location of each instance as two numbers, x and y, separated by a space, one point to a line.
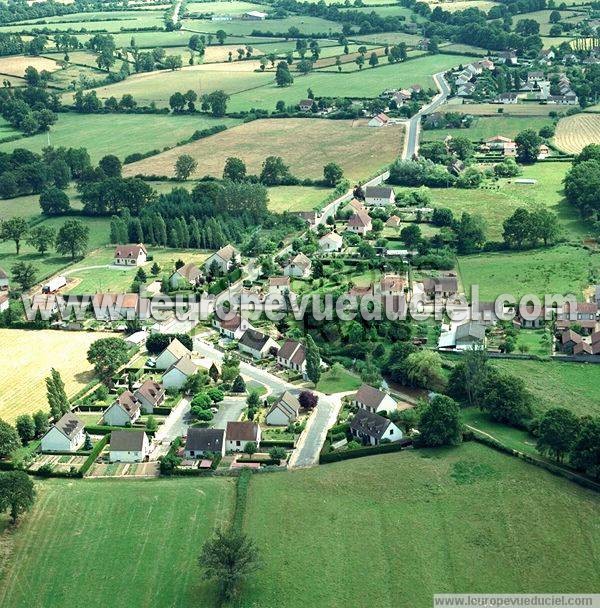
176 376
130 255
238 434
124 410
379 195
371 429
223 259
171 355
373 400
67 435
332 241
256 344
292 355
379 121
150 395
188 274
254 16
279 285
360 223
129 446
201 442
3 280
232 328
284 411
298 267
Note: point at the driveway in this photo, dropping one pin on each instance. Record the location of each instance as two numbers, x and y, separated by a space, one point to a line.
230 410
175 425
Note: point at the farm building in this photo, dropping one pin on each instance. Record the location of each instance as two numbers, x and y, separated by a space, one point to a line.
129 446
379 121
67 435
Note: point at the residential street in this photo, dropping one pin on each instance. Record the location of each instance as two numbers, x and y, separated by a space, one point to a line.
230 410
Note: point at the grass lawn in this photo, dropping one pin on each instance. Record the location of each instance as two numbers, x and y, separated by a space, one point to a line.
331 383
27 358
305 144
51 262
555 270
436 521
115 279
556 384
488 126
296 198
104 133
155 527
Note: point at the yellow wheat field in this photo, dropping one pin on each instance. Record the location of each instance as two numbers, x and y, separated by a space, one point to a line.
26 357
573 133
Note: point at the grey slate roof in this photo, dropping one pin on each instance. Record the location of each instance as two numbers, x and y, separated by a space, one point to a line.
69 425
378 191
205 440
126 441
367 423
370 396
253 339
470 330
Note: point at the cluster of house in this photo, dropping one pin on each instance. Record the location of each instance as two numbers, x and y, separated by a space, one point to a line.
538 83
466 79
507 147
219 263
399 97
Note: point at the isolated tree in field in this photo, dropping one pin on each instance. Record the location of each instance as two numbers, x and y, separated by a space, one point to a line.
313 360
24 274
41 237
557 432
111 165
332 174
14 229
185 165
217 101
9 439
229 558
17 493
172 62
25 428
305 66
308 400
528 146
54 201
40 419
545 225
439 423
373 59
107 355
72 238
177 102
554 17
360 61
235 169
283 78
221 35
57 397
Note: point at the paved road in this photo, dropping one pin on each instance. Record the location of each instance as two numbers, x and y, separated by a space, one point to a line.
175 425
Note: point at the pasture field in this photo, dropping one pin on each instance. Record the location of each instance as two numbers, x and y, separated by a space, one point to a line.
156 527
16 65
295 198
222 8
86 58
27 358
239 27
461 5
305 144
499 200
573 133
463 48
555 384
543 18
51 263
556 270
488 126
493 109
86 278
387 38
119 134
388 11
457 509
369 82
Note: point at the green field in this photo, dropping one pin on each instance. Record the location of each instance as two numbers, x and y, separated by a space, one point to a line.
134 542
488 126
431 522
119 134
543 18
295 198
222 8
240 27
51 262
556 270
85 278
555 384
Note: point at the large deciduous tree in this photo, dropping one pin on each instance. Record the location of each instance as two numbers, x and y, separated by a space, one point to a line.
107 355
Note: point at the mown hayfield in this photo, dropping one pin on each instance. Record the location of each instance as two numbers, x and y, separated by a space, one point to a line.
295 198
28 356
134 542
555 270
493 109
401 527
461 5
17 64
119 134
573 133
305 144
